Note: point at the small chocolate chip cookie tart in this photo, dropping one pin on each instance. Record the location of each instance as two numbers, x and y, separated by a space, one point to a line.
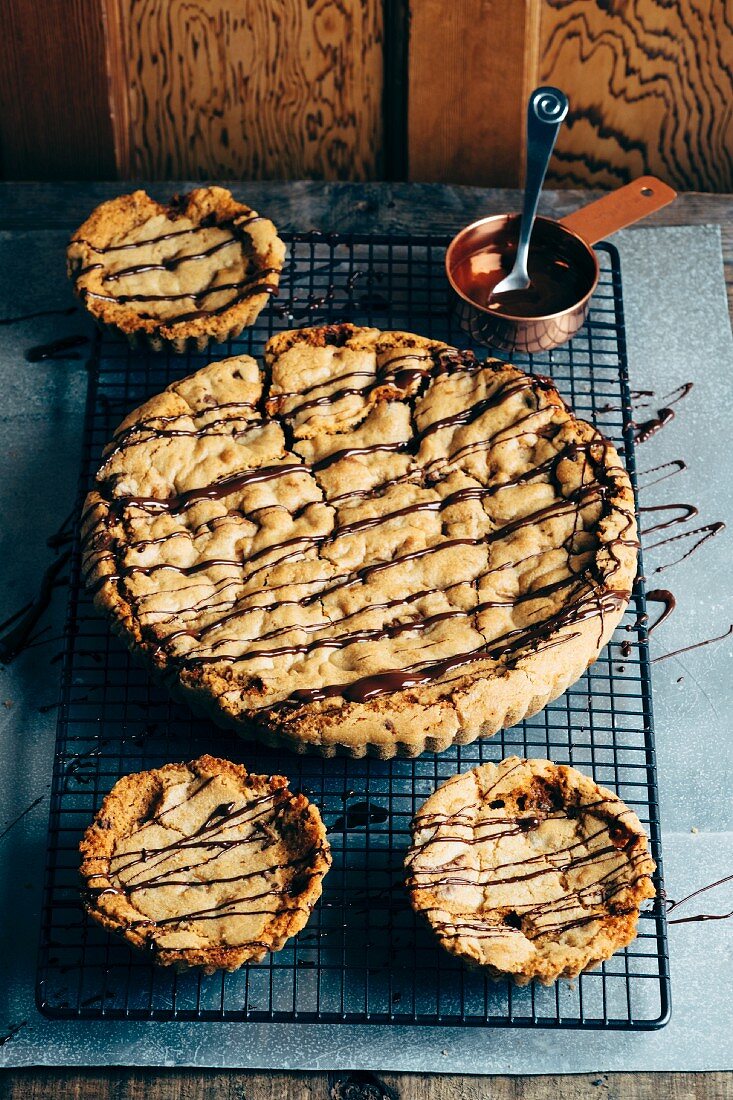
377 544
203 864
529 869
179 276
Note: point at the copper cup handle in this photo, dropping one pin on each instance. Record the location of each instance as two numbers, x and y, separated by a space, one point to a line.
620 208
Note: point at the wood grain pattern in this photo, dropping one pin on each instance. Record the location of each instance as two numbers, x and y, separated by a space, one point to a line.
118 1084
54 119
472 64
264 89
650 85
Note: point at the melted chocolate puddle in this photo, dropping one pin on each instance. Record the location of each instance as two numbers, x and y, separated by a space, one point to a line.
18 637
57 348
700 916
358 816
695 645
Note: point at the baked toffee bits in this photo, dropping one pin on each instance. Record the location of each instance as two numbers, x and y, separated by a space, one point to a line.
203 864
376 544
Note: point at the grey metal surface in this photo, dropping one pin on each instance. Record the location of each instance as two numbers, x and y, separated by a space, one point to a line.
669 343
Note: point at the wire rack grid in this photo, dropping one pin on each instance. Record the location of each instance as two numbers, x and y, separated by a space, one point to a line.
364 956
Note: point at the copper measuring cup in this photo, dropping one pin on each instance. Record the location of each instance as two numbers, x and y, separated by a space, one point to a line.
569 242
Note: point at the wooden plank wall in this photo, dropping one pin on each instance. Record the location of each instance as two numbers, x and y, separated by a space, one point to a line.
364 89
651 90
650 84
261 89
471 66
54 116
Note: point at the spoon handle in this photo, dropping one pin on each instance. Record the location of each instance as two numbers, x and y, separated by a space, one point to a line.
546 113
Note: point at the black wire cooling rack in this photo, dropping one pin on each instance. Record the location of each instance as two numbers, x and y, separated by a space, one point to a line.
364 956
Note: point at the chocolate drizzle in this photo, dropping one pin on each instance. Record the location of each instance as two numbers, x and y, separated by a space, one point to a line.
21 815
620 864
188 864
18 637
12 1032
648 428
698 917
687 512
695 645
664 415
707 531
675 466
665 597
38 313
56 349
257 281
589 592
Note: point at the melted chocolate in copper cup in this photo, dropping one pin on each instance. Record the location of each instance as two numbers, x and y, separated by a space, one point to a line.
564 274
563 269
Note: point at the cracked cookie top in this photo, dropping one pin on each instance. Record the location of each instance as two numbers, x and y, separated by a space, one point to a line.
529 868
376 542
201 267
204 864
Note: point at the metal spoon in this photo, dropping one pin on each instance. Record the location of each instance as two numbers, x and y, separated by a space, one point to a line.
546 113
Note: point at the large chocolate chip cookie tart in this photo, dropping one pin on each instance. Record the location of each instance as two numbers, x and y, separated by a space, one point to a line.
372 544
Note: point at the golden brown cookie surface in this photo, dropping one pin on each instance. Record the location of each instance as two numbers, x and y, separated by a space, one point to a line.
204 864
377 545
529 869
200 269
